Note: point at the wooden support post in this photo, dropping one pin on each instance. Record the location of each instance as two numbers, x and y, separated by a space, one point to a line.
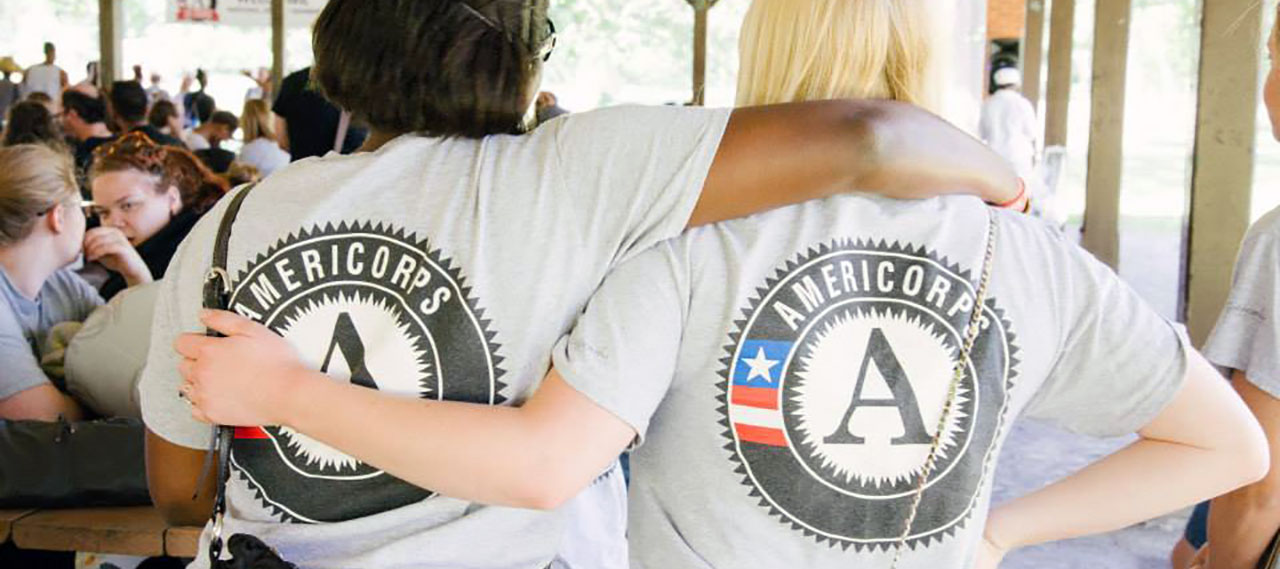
701 9
700 54
1061 29
1222 169
277 44
1033 52
1106 131
110 46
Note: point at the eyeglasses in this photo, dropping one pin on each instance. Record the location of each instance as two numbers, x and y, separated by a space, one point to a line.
85 207
548 44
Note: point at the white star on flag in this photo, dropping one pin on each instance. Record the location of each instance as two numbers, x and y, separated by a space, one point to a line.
760 366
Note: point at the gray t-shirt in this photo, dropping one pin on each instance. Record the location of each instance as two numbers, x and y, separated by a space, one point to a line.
786 374
25 324
430 268
1247 335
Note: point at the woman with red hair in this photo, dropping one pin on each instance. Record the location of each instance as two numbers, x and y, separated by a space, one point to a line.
146 196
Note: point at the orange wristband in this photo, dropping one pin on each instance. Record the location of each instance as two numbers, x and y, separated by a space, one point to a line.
1022 193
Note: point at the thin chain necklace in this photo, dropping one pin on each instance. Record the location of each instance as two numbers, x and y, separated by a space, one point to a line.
971 336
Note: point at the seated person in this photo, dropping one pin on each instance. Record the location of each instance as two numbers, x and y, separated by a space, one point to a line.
31 122
84 119
164 117
128 110
261 147
42 226
148 196
221 126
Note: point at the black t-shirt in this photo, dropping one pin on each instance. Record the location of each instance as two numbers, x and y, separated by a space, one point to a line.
158 137
84 158
156 251
312 120
217 159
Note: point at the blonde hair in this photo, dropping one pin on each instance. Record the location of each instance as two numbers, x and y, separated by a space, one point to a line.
256 121
34 179
807 50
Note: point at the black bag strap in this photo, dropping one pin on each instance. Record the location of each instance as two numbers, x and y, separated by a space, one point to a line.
217 296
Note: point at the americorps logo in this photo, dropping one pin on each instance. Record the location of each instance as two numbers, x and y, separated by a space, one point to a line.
374 306
833 390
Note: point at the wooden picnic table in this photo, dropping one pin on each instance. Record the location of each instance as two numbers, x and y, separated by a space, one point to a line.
136 531
7 517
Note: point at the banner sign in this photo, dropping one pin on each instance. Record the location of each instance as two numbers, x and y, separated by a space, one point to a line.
297 13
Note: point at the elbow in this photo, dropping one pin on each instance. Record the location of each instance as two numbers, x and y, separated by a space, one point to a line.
559 479
1252 458
543 493
883 134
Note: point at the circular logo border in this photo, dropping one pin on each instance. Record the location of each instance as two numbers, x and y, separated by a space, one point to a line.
761 299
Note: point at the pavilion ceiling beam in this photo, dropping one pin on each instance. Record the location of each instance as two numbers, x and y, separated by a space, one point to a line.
1222 167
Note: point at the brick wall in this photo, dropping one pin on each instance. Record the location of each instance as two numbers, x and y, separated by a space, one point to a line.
1006 18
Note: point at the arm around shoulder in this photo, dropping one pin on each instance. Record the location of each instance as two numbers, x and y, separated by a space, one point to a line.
780 155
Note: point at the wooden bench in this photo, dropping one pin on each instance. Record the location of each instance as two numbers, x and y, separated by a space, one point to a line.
7 517
121 531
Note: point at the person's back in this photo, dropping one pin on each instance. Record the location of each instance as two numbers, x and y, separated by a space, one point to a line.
311 122
420 260
816 347
1009 124
43 78
790 374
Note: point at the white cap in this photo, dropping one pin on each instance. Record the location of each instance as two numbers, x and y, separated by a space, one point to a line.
1006 76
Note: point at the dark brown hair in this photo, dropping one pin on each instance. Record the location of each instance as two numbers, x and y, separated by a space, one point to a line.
161 112
200 188
31 123
435 67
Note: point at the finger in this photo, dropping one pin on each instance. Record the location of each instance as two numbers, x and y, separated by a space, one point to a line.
200 415
186 368
193 345
231 324
92 241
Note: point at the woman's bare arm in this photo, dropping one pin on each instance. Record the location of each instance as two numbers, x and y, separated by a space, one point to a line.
780 155
470 451
1203 444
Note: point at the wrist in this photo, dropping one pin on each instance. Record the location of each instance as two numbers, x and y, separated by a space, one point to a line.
288 403
1019 201
137 275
